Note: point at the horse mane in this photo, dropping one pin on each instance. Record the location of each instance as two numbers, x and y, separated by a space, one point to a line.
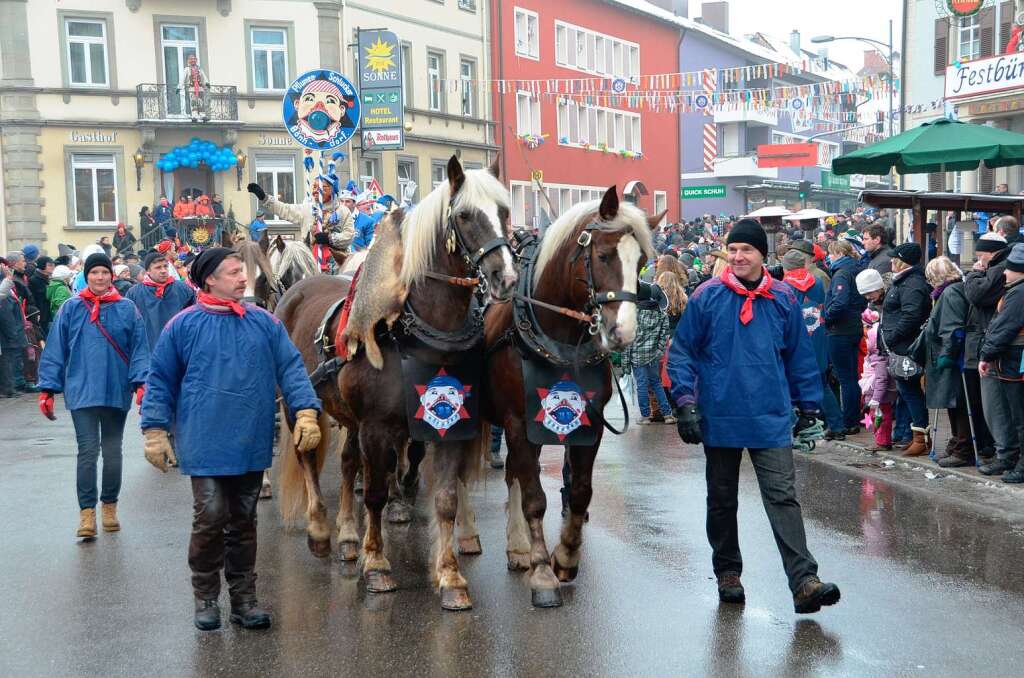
297 255
421 227
255 259
566 228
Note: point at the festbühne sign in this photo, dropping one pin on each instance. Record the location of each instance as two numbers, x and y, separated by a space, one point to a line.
380 88
985 76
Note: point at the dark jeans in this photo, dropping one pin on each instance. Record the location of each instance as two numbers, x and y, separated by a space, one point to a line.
777 479
98 428
224 535
843 353
913 396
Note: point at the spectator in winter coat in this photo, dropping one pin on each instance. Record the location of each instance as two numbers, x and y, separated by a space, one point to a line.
843 306
944 343
96 355
37 284
57 290
905 309
740 361
877 385
984 286
1002 353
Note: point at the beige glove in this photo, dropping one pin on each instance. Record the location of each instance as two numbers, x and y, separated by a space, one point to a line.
307 431
158 448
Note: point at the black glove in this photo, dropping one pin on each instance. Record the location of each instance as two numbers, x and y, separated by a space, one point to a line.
256 190
688 424
805 419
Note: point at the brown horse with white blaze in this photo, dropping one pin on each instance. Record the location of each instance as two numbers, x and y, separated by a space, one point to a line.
456 231
587 265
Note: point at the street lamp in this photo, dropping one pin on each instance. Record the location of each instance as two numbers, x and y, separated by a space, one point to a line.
140 162
239 168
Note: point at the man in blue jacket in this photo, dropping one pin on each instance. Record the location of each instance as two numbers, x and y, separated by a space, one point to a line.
96 354
160 297
740 360
213 380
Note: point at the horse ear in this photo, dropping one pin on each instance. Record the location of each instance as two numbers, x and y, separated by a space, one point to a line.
279 243
495 168
456 176
609 204
655 219
264 241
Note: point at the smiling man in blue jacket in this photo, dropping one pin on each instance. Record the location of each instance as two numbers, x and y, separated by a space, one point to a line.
213 380
740 360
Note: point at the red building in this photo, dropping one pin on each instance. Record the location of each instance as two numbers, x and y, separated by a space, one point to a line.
560 61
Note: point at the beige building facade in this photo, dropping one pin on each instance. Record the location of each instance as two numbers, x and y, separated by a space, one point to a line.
90 100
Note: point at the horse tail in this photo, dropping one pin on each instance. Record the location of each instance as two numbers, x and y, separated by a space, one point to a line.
294 497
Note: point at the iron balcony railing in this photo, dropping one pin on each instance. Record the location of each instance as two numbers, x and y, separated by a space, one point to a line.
159 101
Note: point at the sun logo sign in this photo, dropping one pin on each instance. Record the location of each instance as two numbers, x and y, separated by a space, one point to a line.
442 402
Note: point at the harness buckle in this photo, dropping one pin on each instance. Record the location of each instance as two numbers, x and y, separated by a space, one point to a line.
584 239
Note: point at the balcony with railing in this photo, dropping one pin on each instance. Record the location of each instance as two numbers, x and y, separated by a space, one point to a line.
168 103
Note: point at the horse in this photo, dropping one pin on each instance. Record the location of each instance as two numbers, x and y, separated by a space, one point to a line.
457 230
581 283
291 261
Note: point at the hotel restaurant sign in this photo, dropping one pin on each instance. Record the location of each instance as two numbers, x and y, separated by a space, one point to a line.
1003 73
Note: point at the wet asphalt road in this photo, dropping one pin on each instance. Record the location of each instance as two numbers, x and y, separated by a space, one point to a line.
930 588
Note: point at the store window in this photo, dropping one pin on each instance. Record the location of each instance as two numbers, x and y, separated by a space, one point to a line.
276 175
95 189
87 52
269 59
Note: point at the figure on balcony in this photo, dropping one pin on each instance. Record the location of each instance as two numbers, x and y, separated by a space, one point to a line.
195 85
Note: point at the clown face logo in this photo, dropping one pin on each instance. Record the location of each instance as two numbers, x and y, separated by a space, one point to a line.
321 109
563 407
442 402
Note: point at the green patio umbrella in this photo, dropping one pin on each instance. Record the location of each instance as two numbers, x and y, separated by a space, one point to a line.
941 145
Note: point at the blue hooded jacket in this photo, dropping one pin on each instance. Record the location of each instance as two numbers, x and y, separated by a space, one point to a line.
745 378
157 311
79 362
213 382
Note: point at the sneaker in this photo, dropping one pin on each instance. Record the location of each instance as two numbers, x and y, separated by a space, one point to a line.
670 419
730 589
643 421
813 594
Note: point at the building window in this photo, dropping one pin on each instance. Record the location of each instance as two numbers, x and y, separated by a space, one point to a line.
407 75
527 114
582 126
95 188
527 33
87 52
438 173
588 51
467 74
407 176
661 204
269 59
970 38
369 168
435 74
276 175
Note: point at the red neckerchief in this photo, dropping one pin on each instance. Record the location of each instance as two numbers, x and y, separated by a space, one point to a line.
800 278
160 287
107 297
730 280
207 299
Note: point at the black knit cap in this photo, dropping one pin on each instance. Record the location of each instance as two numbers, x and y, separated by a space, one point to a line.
98 259
749 232
206 264
908 252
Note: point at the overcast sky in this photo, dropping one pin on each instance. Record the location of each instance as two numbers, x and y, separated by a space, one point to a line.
867 18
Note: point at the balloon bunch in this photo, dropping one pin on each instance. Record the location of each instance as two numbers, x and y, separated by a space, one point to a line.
198 152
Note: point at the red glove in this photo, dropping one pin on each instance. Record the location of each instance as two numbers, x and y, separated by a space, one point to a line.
46 405
139 392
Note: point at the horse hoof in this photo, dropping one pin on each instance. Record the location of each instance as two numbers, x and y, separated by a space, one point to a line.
379 581
455 599
266 492
319 548
470 546
399 513
349 551
546 597
564 574
518 562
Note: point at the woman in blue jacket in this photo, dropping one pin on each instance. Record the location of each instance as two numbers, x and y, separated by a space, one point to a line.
96 354
843 306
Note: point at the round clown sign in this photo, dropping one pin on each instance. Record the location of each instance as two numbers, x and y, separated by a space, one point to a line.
964 8
321 109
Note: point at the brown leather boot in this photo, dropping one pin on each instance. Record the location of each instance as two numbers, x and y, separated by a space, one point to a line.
108 516
87 522
919 445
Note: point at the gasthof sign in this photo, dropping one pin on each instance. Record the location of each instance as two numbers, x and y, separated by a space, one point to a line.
380 90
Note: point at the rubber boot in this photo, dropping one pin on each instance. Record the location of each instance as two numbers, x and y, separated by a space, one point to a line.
919 445
87 523
108 516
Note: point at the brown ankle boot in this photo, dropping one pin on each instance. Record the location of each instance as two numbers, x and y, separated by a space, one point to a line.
87 522
108 513
919 446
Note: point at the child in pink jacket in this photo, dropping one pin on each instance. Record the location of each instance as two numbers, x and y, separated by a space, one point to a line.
878 387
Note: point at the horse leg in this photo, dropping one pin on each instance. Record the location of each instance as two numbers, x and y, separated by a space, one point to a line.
376 568
447 460
566 559
526 470
465 522
348 537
